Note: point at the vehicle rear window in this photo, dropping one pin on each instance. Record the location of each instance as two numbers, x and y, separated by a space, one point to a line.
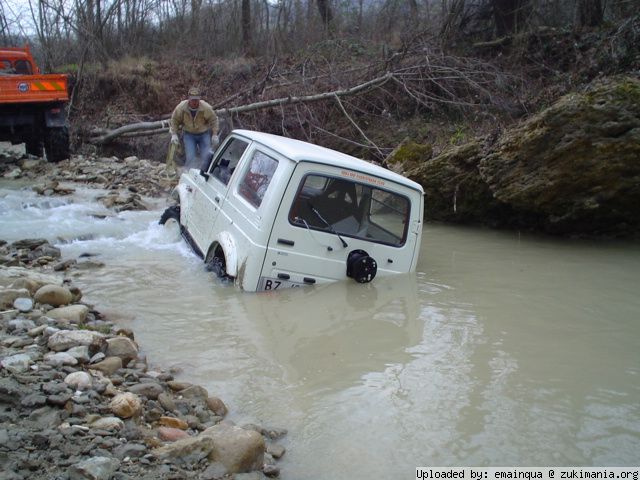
350 208
256 181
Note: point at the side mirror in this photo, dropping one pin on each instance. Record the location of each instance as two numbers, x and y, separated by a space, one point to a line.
204 174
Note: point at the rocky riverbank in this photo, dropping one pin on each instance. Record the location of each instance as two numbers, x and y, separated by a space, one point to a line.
77 399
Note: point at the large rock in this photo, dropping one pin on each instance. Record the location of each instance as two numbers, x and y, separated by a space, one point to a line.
573 168
122 347
65 339
576 165
75 314
54 295
239 450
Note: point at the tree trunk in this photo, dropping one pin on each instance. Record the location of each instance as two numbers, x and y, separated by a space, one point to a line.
509 15
324 7
589 13
246 27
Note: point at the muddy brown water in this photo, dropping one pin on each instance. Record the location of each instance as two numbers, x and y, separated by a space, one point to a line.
501 350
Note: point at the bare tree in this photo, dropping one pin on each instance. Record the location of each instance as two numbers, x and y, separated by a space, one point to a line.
589 13
326 14
246 26
509 15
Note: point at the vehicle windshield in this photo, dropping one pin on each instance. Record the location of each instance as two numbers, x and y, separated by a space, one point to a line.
351 209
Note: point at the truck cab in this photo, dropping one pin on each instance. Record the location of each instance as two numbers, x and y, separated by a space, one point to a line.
271 212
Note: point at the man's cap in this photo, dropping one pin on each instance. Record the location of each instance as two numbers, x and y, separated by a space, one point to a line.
194 93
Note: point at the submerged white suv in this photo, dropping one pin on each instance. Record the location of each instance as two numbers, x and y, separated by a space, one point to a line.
271 212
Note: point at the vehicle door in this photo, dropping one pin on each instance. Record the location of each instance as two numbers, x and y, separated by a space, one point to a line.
327 213
211 190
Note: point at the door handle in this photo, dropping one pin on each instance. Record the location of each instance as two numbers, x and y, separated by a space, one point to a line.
217 199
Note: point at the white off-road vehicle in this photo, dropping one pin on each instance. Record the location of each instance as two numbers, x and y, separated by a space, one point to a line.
271 212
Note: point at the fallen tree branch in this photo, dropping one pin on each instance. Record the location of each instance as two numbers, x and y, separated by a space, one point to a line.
161 125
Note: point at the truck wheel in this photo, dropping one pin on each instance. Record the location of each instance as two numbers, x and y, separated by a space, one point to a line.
56 144
33 146
170 213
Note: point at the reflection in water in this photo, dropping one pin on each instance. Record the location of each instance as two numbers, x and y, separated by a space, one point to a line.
499 351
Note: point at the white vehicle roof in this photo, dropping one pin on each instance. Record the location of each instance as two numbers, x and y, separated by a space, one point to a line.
298 151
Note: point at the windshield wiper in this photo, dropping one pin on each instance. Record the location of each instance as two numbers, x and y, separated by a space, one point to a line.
331 229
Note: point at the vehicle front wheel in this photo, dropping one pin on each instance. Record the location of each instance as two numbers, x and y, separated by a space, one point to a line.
171 213
215 263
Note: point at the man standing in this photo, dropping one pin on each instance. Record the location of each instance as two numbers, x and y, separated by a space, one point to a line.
199 125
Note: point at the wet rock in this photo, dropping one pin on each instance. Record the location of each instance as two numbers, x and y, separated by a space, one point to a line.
149 389
275 450
271 470
79 380
80 353
239 450
214 471
29 243
178 386
53 295
66 339
122 347
97 468
217 406
108 366
195 392
167 402
75 314
126 405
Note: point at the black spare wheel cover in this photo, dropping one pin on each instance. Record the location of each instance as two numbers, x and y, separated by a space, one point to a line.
361 267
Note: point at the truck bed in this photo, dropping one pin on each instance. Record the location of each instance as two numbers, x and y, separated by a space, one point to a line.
33 88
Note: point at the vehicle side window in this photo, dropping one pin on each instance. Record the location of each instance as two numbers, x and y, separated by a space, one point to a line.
22 67
227 161
350 208
6 67
256 181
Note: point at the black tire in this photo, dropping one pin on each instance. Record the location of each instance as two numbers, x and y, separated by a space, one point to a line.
56 144
170 213
33 146
216 264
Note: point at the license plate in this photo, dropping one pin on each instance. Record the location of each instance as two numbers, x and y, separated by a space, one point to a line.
266 284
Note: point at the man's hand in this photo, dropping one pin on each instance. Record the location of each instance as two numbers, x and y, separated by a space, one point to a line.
175 139
214 140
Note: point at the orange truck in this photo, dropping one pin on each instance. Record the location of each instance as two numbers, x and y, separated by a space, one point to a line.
33 105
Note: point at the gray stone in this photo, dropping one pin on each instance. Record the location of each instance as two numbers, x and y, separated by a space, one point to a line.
195 392
75 314
16 363
130 450
60 358
149 389
66 339
107 423
167 402
20 325
34 400
275 450
214 471
23 304
79 380
80 353
96 468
